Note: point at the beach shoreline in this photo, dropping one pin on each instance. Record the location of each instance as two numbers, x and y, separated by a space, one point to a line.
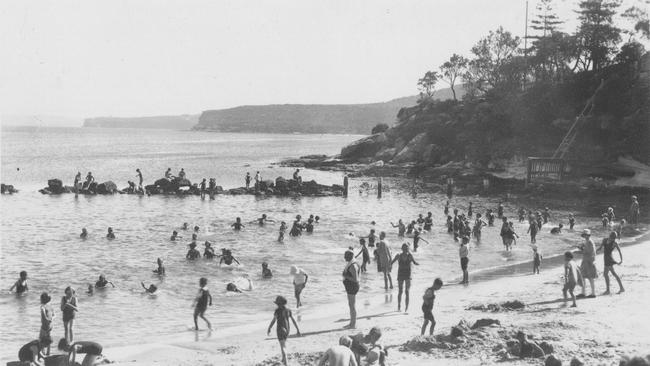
249 345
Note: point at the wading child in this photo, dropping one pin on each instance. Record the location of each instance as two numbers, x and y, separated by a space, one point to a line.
365 253
237 225
201 302
300 279
283 229
572 277
427 306
572 221
557 230
416 239
21 284
537 260
282 316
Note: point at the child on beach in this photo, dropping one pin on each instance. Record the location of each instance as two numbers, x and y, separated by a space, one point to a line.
282 316
300 279
47 315
572 277
283 229
68 309
427 306
572 221
537 260
365 253
21 284
201 302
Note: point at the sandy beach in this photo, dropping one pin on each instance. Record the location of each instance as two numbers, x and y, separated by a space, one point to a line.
598 331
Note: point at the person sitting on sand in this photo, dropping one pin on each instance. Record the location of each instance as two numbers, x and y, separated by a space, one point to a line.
340 355
227 257
558 229
151 289
300 279
401 229
193 254
572 221
110 235
201 302
282 231
102 282
404 260
84 233
609 244
160 271
21 283
572 277
283 329
588 265
237 225
208 252
364 345
427 306
266 272
384 258
32 353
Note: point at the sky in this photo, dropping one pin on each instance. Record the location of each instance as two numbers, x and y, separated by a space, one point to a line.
159 57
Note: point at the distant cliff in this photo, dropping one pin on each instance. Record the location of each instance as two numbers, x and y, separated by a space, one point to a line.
306 118
183 122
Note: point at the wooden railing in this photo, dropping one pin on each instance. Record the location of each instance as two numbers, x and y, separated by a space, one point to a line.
547 168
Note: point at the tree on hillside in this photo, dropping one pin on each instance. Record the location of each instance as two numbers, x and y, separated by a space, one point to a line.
640 20
546 21
597 34
491 53
453 69
547 51
427 85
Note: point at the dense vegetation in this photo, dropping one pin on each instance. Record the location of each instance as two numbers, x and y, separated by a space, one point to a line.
522 100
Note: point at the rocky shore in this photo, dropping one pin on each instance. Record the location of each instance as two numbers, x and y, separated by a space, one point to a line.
8 189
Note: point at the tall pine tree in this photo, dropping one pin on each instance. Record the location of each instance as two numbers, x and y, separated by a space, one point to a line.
597 34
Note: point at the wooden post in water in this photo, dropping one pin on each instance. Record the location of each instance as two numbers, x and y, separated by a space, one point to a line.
379 182
345 186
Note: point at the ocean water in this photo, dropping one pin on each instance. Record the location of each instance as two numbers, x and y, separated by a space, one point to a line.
40 234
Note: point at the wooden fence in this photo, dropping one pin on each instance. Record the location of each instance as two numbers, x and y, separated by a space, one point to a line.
545 168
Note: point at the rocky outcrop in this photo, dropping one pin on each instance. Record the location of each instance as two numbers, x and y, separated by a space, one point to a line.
364 148
106 188
8 189
413 150
289 187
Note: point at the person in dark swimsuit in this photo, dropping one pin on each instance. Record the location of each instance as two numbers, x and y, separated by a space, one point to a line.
446 211
416 240
262 220
282 316
208 252
151 289
404 260
470 210
237 225
84 233
193 253
160 271
33 352
609 244
428 221
410 228
110 234
572 221
202 187
227 257
371 238
92 350
351 284
478 227
309 227
201 302
296 228
21 284
365 253
401 229
68 309
102 282
266 272
427 306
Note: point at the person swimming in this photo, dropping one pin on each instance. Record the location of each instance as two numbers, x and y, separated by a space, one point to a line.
174 236
110 234
227 257
193 254
262 220
231 287
84 233
309 227
102 282
185 226
151 289
266 272
208 252
21 284
237 225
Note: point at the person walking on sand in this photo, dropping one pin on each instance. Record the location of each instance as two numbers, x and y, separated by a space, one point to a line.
351 284
588 266
69 307
572 277
282 316
404 260
300 279
340 355
635 212
609 244
384 260
427 306
463 253
201 302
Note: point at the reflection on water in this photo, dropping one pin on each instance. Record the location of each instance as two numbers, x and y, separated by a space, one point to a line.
40 234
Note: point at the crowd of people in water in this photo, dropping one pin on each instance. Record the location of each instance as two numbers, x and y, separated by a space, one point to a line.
461 226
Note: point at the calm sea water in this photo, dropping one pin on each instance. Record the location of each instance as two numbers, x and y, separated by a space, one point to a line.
40 234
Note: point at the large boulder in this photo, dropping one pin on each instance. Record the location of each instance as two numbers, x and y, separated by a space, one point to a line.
55 186
386 154
106 188
266 185
366 147
413 150
281 184
8 188
162 183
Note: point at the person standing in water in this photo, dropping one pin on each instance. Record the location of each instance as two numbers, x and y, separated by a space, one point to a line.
247 180
160 271
463 253
110 235
237 225
609 244
404 260
428 221
102 282
351 284
77 184
21 284
364 253
572 221
282 316
202 187
47 316
416 239
384 260
282 231
401 229
446 208
69 307
300 279
201 302
258 179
